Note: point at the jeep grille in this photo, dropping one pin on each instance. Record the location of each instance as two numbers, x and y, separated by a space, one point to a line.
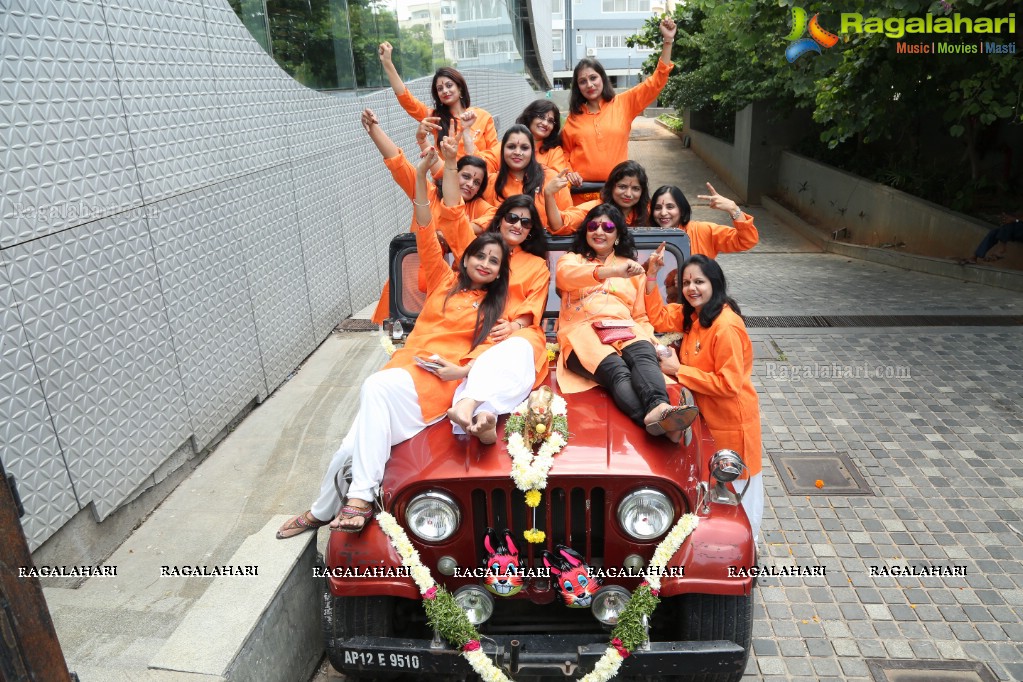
570 516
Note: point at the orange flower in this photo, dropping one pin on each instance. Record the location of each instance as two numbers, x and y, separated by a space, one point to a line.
819 483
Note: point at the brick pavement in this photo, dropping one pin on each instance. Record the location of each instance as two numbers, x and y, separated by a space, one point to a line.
931 418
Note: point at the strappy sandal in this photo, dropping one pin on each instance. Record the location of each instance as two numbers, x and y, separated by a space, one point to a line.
673 418
350 512
299 524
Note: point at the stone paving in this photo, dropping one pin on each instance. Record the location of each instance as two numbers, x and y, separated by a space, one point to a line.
931 418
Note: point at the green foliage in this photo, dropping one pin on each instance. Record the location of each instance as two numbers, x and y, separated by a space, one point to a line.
630 624
445 615
674 123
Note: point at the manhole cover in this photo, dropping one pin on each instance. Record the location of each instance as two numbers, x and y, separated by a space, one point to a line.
354 325
819 473
929 671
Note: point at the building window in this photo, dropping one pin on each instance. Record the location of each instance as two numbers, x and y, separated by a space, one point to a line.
579 39
556 38
625 5
611 41
559 7
468 49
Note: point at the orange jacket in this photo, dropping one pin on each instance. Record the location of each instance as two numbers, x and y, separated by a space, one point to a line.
717 366
484 133
596 143
446 326
710 239
584 300
528 283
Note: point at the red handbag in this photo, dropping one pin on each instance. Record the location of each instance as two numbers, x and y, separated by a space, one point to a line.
610 331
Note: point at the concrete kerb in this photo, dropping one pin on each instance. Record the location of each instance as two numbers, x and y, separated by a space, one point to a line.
979 274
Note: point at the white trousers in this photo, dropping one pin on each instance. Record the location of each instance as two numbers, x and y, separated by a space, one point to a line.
389 414
752 501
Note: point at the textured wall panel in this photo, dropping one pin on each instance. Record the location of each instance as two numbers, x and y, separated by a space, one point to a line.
264 205
198 250
318 186
253 95
166 82
94 317
64 145
30 450
317 122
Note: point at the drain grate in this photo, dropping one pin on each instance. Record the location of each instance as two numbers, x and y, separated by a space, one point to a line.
354 325
765 321
884 670
800 471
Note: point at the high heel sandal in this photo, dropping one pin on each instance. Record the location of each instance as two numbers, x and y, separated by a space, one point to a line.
350 512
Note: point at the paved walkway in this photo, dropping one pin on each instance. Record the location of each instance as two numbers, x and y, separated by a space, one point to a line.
930 417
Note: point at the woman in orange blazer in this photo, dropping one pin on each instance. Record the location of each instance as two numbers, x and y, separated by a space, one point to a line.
716 364
518 172
669 208
596 133
518 223
478 135
601 282
396 403
626 189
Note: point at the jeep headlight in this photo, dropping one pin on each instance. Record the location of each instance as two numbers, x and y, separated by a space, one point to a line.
432 516
646 514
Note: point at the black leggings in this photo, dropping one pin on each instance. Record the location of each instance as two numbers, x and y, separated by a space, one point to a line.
633 378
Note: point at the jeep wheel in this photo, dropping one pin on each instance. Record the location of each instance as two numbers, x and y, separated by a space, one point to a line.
345 617
708 617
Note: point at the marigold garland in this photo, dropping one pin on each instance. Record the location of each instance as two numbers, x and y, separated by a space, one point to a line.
529 471
451 622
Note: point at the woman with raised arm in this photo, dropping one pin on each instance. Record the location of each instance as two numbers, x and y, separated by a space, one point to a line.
519 173
626 189
603 330
596 132
478 136
471 180
669 208
447 357
716 364
518 223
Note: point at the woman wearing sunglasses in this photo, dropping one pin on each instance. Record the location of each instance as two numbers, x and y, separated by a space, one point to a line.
626 189
603 329
518 224
520 173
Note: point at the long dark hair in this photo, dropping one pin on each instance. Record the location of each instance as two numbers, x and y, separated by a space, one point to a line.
475 162
536 241
625 246
440 109
624 170
576 102
718 293
539 109
684 209
497 291
532 176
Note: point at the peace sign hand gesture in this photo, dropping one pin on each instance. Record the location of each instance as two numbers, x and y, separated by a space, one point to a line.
719 202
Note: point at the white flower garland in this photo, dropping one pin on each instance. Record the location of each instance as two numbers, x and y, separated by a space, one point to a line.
529 471
387 344
605 668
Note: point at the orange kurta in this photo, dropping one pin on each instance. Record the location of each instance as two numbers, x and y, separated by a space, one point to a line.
513 186
710 239
444 327
404 173
553 159
572 217
584 300
596 143
484 133
528 283
717 366
664 317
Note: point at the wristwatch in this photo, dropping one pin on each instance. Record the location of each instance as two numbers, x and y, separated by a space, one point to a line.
737 215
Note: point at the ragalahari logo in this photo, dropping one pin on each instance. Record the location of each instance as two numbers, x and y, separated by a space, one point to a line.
818 36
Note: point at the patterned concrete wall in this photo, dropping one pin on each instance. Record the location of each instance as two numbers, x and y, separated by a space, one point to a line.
182 224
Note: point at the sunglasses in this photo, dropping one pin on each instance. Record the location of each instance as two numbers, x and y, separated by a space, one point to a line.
513 218
594 225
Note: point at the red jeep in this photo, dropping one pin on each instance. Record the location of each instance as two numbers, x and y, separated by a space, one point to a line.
612 494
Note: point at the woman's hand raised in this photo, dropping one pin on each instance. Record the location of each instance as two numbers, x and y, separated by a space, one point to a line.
656 262
428 157
384 51
449 145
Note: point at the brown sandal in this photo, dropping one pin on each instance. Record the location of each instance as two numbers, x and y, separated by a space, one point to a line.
673 418
350 512
299 524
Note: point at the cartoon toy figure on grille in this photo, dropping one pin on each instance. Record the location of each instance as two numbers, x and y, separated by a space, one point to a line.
575 583
503 575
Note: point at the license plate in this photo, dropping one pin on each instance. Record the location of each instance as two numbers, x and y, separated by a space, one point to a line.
382 660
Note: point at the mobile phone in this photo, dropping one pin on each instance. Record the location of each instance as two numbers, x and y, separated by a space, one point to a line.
427 364
615 324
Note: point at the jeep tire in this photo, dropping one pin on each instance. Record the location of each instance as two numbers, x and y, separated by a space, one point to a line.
706 617
345 617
